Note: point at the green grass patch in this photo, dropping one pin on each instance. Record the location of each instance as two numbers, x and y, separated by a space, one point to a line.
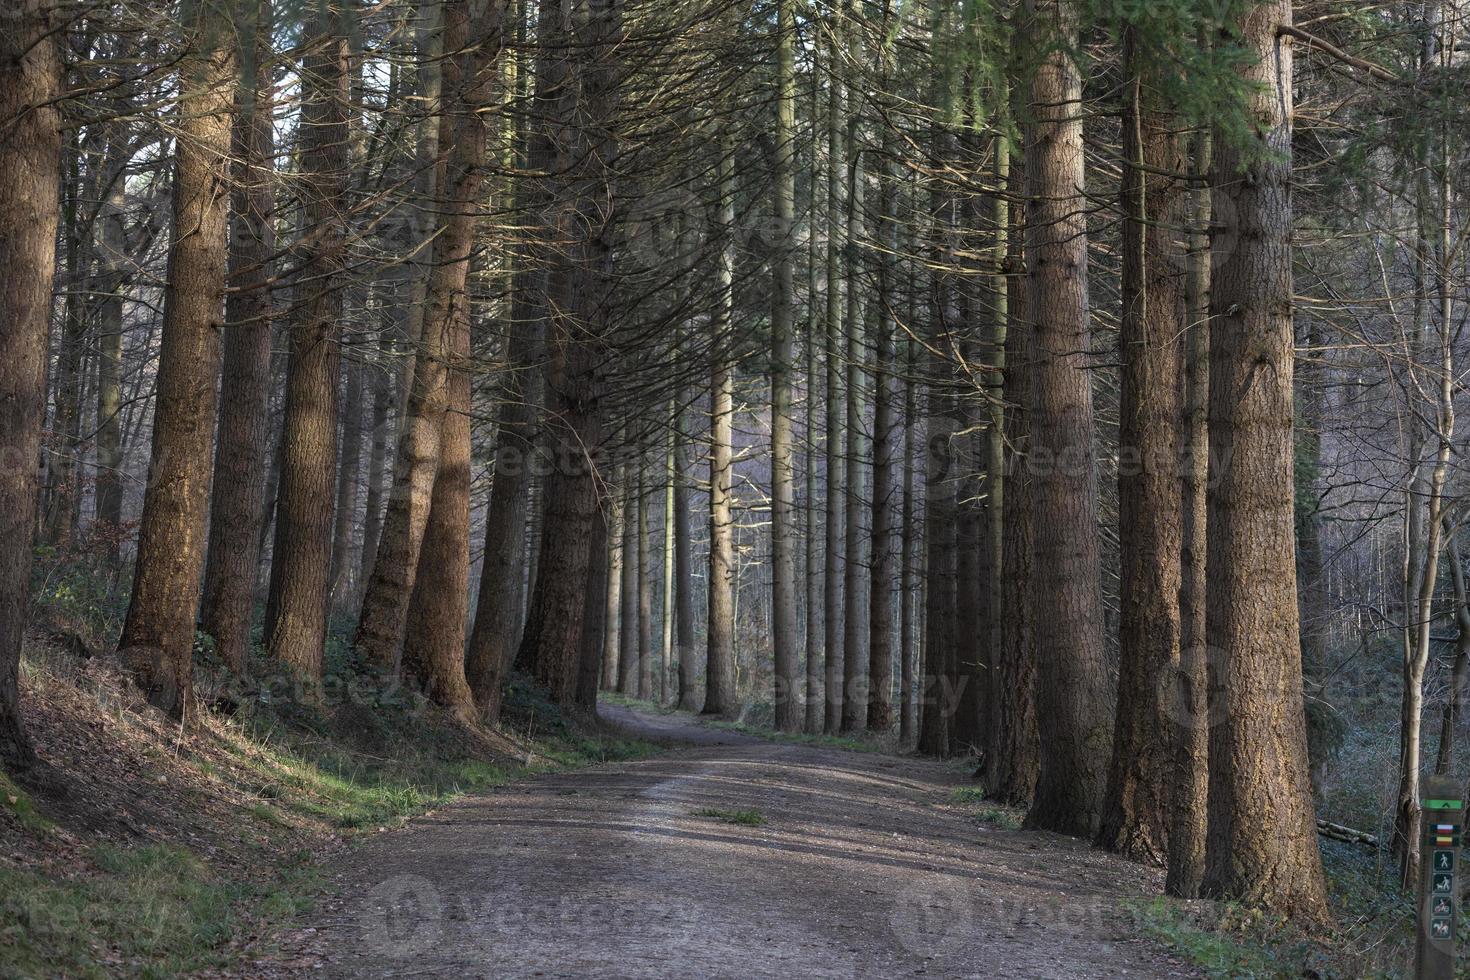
1218 951
849 743
982 811
747 818
150 911
18 804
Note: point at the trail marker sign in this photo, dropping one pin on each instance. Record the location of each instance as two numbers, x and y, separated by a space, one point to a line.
1443 822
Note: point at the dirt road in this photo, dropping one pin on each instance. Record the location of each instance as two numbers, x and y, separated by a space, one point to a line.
862 868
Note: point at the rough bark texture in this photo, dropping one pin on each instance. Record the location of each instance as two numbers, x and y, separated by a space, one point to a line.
243 444
578 336
296 629
595 621
885 557
1137 805
1186 857
158 633
1072 694
1015 753
498 610
438 373
30 156
1262 844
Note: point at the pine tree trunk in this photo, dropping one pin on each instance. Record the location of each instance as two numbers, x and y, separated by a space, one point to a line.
855 568
833 617
613 618
438 367
595 621
720 698
1074 702
158 633
646 688
30 156
784 589
1137 805
110 327
689 694
578 336
1262 844
349 477
628 620
243 446
296 631
372 522
1187 826
908 709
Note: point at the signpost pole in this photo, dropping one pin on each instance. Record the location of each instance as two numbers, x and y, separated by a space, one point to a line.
1443 818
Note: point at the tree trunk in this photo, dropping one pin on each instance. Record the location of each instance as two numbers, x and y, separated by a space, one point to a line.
908 711
784 589
833 613
720 697
1137 805
438 370
158 633
30 156
646 689
1014 759
349 477
1262 845
628 621
613 618
689 695
372 522
1187 828
243 444
1074 700
578 336
110 327
595 621
855 570
296 631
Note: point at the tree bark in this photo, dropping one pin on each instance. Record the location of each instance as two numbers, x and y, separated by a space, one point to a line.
1262 844
439 385
349 478
628 621
1074 701
833 616
720 698
243 443
30 156
578 336
158 633
1187 828
1137 804
296 630
613 618
689 695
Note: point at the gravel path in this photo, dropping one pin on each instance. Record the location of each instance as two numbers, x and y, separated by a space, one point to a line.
861 869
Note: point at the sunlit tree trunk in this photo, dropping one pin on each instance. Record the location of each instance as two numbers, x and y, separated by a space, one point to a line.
30 157
720 697
243 446
296 629
158 632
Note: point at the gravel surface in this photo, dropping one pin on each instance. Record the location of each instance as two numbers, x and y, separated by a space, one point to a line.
862 868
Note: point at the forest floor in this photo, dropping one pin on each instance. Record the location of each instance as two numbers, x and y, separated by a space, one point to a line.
728 856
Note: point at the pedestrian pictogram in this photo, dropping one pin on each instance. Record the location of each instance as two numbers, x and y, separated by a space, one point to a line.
1444 860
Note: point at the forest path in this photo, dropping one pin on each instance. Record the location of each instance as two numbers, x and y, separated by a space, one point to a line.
862 869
